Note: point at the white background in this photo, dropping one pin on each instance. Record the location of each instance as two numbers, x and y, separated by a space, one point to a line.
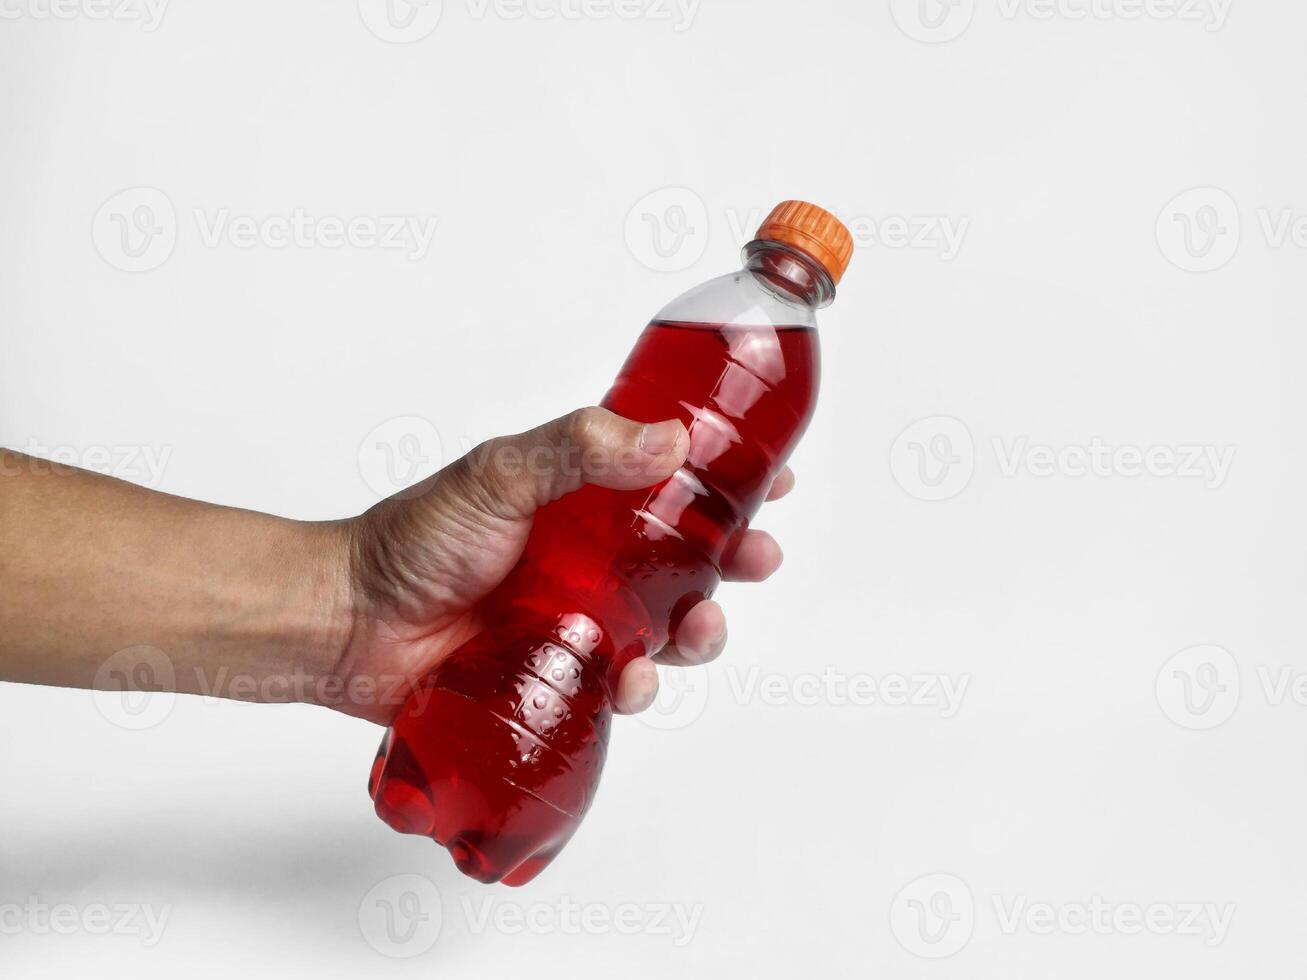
1094 756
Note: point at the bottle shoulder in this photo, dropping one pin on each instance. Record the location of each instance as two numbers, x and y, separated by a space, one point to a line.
738 299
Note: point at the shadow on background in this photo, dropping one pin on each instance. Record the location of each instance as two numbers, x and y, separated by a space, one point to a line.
244 884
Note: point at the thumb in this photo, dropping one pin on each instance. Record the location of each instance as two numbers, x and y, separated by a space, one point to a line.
511 477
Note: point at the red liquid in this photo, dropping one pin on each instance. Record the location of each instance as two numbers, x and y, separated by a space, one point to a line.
502 760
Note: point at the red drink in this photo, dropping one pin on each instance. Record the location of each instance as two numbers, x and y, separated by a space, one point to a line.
500 758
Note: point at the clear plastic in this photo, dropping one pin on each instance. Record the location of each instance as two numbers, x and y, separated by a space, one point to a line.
500 758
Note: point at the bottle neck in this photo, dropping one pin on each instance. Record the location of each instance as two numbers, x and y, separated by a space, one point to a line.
790 273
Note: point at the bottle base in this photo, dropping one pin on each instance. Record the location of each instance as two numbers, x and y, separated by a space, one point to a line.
494 828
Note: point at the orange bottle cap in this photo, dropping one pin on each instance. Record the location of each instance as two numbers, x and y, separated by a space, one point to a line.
812 230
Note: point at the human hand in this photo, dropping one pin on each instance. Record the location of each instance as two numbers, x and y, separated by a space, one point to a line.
422 563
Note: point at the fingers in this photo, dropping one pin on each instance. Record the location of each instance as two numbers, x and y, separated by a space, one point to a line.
637 687
782 485
700 637
513 476
751 556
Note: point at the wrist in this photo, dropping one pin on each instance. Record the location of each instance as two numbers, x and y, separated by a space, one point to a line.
323 624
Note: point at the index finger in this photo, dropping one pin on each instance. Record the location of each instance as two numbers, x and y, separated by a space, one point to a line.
782 485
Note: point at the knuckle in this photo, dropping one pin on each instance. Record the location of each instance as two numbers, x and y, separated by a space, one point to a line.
483 459
588 426
486 480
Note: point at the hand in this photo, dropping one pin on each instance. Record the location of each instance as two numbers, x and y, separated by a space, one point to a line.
423 561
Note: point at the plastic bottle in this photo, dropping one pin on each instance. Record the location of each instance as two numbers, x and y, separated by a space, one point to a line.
500 758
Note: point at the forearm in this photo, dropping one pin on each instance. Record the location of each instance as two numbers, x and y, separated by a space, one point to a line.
239 603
